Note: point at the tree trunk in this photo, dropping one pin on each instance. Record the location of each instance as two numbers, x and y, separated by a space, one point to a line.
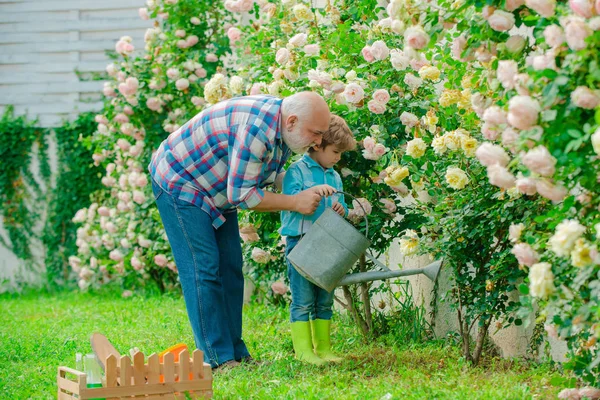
481 335
351 306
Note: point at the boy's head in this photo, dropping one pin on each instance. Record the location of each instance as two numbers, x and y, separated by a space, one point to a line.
336 140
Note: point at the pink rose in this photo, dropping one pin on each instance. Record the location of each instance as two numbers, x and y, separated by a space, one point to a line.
500 176
409 119
192 40
136 264
512 5
139 197
211 57
234 34
123 144
153 104
124 46
256 89
494 115
522 82
128 110
143 242
182 84
515 44
141 181
526 185
583 8
569 394
180 33
298 40
161 260
509 137
136 150
249 234
584 97
523 112
544 61
413 82
590 393
367 54
576 32
379 50
416 37
282 56
554 35
540 161
173 73
525 254
552 192
389 207
369 143
101 119
311 49
382 96
489 131
143 13
543 7
459 45
507 70
501 21
354 93
260 256
103 211
121 118
376 107
489 154
200 73
116 255
379 150
279 288
366 207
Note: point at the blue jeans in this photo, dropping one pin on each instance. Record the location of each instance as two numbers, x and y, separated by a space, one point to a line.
308 300
209 262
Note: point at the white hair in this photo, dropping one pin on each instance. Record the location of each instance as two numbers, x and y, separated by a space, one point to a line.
297 105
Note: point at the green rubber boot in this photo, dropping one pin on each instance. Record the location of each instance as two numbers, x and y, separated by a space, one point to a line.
302 340
320 335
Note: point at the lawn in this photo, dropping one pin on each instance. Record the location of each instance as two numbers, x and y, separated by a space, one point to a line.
40 332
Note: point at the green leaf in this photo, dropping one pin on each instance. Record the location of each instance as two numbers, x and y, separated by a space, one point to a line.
523 288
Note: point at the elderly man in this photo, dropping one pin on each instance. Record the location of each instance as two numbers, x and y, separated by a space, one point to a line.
219 161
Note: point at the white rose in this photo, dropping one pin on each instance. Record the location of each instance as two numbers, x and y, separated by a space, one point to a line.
541 280
565 236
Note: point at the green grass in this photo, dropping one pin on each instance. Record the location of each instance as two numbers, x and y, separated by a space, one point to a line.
39 332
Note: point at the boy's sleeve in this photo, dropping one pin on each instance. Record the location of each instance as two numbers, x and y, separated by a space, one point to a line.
292 181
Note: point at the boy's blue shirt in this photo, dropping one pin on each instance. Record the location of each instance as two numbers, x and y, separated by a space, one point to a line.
301 175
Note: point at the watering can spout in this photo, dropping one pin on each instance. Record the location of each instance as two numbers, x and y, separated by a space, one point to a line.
431 271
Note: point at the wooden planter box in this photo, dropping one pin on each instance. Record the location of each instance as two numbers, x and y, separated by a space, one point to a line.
156 379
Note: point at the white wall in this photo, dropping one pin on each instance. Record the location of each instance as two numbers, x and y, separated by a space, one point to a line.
42 43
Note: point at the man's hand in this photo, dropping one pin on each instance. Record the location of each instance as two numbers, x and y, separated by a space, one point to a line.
307 201
323 190
338 208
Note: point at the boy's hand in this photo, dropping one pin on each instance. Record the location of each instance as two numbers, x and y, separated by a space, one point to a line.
323 190
307 201
338 208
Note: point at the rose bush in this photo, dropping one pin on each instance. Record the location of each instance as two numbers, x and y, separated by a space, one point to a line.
484 114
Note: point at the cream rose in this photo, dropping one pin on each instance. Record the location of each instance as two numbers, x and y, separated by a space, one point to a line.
416 148
565 236
456 178
541 280
501 21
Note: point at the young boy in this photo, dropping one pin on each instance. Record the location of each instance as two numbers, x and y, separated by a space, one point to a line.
311 307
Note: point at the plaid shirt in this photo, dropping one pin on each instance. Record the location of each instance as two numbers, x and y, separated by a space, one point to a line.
224 156
301 175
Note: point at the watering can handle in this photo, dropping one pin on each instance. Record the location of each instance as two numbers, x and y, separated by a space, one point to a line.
361 206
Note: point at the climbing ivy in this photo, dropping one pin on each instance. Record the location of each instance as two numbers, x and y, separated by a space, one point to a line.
22 195
76 179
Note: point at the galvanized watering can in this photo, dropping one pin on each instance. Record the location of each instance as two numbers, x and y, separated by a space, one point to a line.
332 246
